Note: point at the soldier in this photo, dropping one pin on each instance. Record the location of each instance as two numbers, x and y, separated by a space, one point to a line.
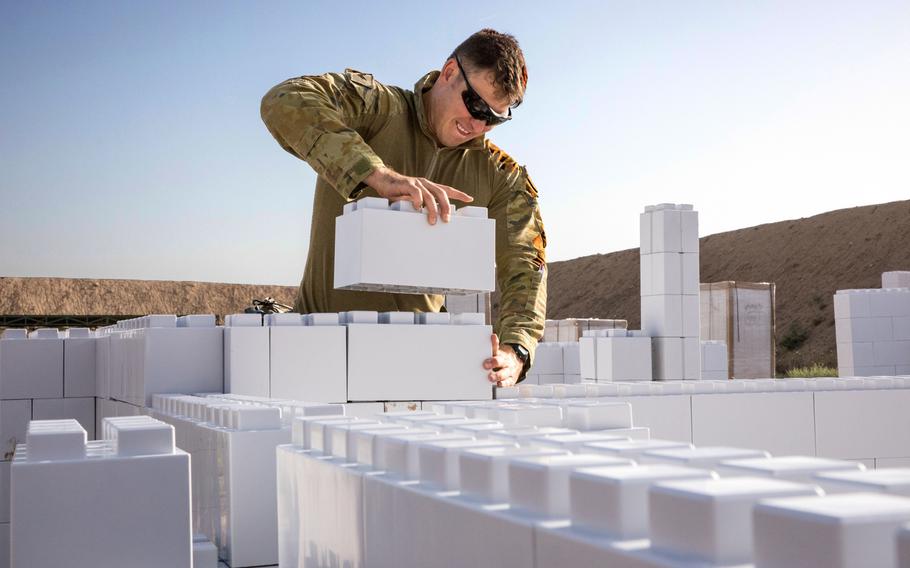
366 138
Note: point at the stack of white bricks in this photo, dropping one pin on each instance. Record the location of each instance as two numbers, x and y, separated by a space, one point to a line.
670 289
714 360
447 489
873 329
555 362
120 501
572 329
615 355
455 257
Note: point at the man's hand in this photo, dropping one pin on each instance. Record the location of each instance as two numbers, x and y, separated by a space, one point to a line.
505 367
420 191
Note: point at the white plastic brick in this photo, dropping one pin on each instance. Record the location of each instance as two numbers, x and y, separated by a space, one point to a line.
614 500
793 468
710 520
246 360
836 531
79 360
368 255
623 358
196 320
893 481
703 457
55 440
598 416
308 363
399 318
896 279
439 460
243 320
484 472
31 368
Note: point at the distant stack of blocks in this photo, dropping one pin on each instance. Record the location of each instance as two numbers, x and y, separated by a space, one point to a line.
873 328
670 288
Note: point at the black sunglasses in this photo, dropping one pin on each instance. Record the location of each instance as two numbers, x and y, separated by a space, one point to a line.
477 107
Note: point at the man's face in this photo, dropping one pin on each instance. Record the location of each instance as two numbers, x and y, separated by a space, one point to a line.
451 121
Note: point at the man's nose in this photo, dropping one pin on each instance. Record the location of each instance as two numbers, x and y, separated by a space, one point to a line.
477 125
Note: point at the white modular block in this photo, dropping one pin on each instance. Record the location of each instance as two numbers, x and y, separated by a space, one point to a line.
246 360
690 263
633 449
390 362
439 460
714 358
864 330
4 495
484 472
587 357
836 531
889 303
434 318
598 416
529 415
454 257
139 436
399 318
691 359
893 481
548 359
31 368
801 469
702 457
896 279
623 358
79 409
14 418
79 359
779 422
308 363
196 320
96 523
849 304
469 318
243 320
666 273
205 554
666 230
858 424
614 500
540 484
14 333
710 520
571 357
668 359
55 440
571 442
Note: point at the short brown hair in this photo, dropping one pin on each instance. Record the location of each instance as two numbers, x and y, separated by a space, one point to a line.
499 53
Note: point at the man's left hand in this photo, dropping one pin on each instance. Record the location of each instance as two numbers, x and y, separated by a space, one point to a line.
505 366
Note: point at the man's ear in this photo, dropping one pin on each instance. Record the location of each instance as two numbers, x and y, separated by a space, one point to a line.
449 70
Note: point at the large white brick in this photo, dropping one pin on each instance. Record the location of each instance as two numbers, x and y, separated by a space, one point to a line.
484 472
587 357
31 368
667 417
308 363
79 359
80 409
851 304
836 531
540 484
598 415
894 481
623 358
246 360
390 362
548 359
439 461
14 418
710 520
896 279
457 256
889 303
633 449
860 424
703 457
801 469
780 422
614 500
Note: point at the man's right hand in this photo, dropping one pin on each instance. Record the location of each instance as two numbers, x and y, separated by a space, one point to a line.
420 191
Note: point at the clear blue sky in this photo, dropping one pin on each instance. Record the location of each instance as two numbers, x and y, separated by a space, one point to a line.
131 144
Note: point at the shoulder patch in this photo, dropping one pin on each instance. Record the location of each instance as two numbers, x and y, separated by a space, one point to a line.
501 160
362 79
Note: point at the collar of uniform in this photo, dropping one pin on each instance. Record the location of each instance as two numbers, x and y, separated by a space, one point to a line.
423 85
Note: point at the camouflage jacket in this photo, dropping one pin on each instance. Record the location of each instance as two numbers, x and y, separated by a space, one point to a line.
346 125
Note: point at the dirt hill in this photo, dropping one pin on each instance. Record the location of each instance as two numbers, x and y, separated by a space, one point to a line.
808 259
79 297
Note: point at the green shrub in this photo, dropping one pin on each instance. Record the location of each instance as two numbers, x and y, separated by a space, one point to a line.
813 371
794 338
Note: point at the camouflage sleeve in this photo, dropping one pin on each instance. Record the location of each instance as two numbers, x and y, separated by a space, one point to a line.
521 268
324 119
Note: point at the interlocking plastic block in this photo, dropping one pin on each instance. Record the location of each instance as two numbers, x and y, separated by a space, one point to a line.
484 472
433 318
836 531
572 442
548 359
400 454
633 449
243 320
246 360
79 364
31 368
598 415
896 279
361 446
469 318
794 468
710 520
390 362
96 523
540 484
529 415
80 409
14 333
308 363
455 257
397 318
196 320
703 457
141 437
55 440
894 481
439 460
614 500
344 443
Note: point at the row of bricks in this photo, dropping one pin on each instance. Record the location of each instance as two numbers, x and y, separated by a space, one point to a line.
611 499
571 329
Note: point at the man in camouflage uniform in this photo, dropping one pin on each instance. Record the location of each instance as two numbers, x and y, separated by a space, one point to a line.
366 138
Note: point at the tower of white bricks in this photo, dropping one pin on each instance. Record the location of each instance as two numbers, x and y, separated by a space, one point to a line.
669 290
